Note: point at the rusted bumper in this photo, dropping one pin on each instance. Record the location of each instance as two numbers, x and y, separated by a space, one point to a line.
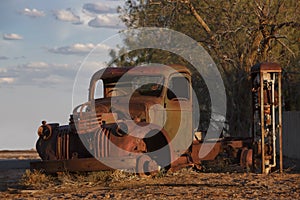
84 164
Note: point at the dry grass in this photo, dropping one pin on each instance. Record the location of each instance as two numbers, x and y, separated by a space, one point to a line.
36 179
39 180
182 184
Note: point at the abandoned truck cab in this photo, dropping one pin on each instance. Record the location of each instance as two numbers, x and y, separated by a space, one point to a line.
156 95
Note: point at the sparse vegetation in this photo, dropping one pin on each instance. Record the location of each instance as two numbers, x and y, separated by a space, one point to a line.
39 180
36 179
183 184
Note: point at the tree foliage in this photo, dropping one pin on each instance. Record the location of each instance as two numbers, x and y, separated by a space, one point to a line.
236 33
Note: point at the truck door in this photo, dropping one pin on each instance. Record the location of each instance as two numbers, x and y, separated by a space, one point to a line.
178 105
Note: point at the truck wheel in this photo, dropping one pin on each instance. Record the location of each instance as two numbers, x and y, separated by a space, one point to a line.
146 166
158 148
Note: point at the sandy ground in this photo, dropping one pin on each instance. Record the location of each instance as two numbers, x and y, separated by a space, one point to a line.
184 184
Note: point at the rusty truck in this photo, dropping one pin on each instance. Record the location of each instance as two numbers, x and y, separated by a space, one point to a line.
141 119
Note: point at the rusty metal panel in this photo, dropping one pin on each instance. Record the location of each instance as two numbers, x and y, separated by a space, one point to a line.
83 164
211 155
266 67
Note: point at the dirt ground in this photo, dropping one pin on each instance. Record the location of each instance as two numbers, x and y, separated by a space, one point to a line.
183 184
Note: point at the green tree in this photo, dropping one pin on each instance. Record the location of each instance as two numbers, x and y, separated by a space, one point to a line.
236 33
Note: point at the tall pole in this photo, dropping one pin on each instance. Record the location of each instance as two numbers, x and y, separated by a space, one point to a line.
280 123
262 124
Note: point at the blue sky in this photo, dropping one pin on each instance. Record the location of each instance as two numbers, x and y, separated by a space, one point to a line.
42 45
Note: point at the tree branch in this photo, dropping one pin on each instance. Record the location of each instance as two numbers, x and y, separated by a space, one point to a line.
198 17
285 46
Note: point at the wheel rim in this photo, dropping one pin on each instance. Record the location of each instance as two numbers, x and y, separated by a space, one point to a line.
146 166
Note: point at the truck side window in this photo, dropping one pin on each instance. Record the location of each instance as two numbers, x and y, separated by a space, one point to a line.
178 88
99 90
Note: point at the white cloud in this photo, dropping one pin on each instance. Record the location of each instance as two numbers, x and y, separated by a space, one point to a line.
12 36
38 73
106 20
3 70
37 65
77 48
7 80
98 8
67 15
51 79
56 65
32 13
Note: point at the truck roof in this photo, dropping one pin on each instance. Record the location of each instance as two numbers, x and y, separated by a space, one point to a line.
111 72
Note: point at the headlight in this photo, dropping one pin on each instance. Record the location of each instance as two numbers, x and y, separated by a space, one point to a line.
45 131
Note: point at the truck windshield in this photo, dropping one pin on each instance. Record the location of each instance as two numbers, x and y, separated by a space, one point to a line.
144 85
